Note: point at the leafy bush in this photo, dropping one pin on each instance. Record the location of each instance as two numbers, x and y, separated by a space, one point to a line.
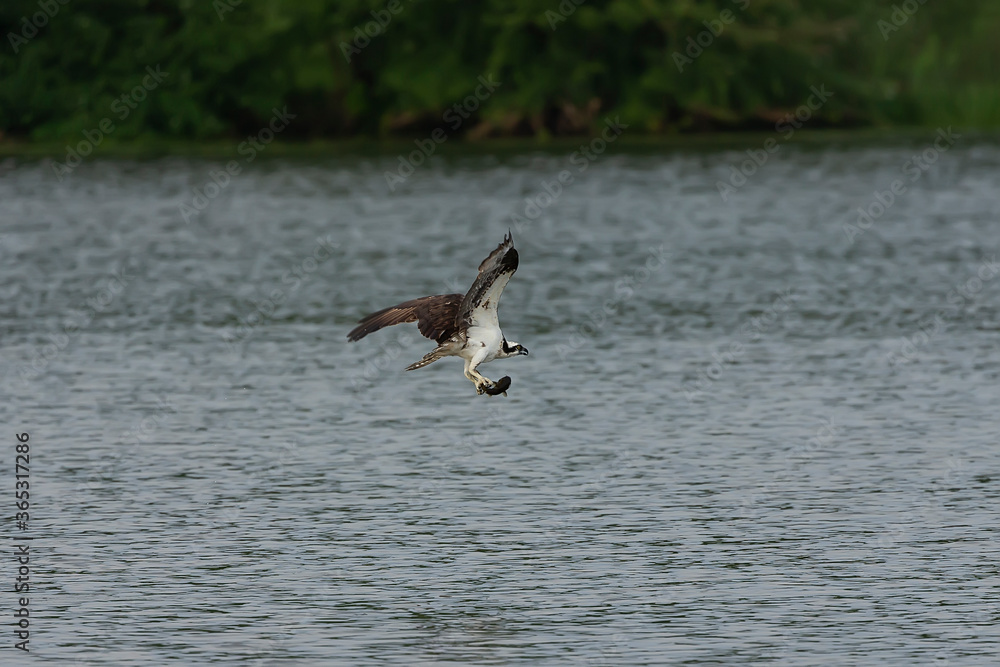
563 65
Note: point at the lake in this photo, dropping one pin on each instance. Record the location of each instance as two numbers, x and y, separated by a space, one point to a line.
758 423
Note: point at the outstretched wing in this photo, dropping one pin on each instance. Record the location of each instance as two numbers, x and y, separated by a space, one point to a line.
436 317
479 307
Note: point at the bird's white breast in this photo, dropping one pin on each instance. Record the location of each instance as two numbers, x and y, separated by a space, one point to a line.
483 339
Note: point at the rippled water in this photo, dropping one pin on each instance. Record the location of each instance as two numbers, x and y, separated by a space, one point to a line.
744 435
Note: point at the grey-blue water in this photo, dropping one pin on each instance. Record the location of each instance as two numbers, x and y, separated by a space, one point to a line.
746 433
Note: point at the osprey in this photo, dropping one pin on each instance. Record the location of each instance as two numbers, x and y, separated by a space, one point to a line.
463 325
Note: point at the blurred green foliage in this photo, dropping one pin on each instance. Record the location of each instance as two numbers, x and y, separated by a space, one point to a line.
563 65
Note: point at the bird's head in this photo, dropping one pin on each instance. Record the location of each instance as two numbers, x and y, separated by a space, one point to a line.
512 349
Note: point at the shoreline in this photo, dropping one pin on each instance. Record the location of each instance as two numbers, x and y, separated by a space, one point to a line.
628 143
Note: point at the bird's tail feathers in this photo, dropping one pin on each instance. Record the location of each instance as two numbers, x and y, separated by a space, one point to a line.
429 358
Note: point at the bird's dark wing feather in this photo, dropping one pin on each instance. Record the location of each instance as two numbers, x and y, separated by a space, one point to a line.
436 317
494 274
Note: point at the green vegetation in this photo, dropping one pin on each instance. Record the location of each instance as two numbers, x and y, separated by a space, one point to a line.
663 66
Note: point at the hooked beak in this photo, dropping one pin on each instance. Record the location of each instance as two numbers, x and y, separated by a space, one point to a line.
523 350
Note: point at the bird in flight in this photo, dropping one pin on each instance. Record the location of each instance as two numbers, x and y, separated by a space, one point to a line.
463 325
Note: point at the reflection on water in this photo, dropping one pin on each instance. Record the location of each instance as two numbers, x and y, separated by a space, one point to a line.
744 434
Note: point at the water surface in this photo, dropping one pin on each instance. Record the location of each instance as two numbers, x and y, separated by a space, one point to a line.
744 435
